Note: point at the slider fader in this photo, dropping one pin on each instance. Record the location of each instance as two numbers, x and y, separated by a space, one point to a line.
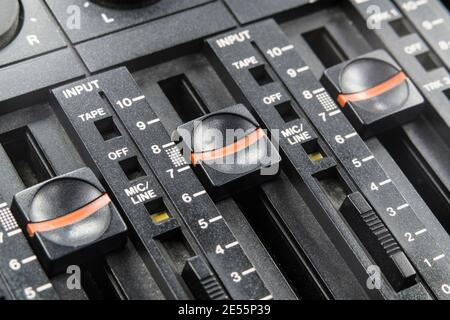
224 150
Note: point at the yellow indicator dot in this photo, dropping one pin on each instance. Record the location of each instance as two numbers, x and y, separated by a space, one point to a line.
160 217
316 156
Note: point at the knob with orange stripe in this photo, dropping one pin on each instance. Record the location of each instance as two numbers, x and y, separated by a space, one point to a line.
373 92
69 219
229 151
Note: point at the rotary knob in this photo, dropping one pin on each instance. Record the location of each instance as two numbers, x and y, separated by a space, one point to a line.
125 4
9 21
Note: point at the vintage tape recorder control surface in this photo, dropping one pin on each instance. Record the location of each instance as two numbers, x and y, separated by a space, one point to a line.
224 149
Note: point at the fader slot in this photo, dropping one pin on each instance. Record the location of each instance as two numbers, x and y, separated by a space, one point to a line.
273 233
26 156
325 47
334 186
176 247
98 284
183 97
198 278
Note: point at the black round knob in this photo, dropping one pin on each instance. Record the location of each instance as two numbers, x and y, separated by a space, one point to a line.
125 4
384 83
9 20
58 199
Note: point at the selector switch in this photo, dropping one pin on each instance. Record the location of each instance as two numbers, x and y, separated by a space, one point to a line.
9 21
69 219
229 151
380 242
201 281
374 93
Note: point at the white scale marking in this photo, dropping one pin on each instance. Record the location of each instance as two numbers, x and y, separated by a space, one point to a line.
107 19
168 145
28 260
198 194
138 98
302 69
420 232
153 121
385 182
439 257
403 206
319 91
437 21
231 245
351 135
246 272
215 219
368 158
184 169
44 287
287 48
269 297
334 113
14 232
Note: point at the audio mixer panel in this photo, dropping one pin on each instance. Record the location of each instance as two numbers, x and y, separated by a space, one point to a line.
224 150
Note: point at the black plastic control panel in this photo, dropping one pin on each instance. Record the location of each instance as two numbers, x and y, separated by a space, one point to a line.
224 150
